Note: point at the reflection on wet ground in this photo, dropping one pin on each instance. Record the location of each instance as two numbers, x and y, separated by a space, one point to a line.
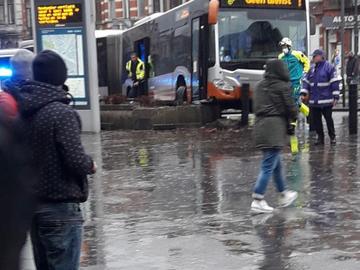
180 200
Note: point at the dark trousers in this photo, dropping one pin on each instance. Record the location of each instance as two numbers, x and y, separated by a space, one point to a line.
56 236
138 90
317 114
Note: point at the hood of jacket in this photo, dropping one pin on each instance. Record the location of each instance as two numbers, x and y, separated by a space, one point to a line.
13 87
277 69
36 95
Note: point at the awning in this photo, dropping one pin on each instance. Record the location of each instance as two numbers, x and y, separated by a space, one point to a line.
334 22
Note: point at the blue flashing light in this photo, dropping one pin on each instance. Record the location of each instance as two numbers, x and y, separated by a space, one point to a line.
5 72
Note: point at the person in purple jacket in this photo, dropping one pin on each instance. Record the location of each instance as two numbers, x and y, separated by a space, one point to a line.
321 84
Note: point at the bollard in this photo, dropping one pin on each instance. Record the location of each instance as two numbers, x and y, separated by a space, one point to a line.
353 108
245 101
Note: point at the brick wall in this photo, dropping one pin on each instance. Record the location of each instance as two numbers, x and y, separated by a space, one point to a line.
331 8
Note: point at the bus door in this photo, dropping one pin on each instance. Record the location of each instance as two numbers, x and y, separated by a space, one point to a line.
142 48
199 56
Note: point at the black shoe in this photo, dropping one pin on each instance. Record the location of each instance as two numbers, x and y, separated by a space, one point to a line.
319 142
333 141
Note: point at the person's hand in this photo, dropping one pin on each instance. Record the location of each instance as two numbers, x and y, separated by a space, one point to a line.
291 128
94 169
136 83
335 102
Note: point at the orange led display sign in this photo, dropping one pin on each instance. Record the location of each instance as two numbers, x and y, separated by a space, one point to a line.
290 4
59 14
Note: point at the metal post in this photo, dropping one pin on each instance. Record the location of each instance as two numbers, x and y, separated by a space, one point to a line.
342 32
126 9
150 7
353 87
356 29
245 91
162 4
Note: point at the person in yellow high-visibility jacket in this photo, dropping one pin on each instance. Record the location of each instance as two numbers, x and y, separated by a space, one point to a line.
136 71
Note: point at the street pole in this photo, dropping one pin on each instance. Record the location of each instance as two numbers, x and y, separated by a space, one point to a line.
151 7
356 29
342 33
162 6
353 87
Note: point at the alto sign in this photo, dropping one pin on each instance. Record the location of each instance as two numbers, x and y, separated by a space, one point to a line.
330 22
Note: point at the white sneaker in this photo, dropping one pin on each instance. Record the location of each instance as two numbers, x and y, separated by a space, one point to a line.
261 206
288 197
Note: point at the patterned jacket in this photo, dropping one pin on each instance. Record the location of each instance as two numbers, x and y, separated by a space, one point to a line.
54 130
322 85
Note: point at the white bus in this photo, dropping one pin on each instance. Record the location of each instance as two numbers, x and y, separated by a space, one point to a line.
213 47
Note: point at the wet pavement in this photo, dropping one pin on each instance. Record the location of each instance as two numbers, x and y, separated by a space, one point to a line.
180 199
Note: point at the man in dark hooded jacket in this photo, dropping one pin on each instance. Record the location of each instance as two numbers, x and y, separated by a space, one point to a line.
54 135
274 109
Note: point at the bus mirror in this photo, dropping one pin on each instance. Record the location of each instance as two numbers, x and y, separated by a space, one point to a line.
213 11
312 25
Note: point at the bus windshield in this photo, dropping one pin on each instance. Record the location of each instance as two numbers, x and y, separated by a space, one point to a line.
248 37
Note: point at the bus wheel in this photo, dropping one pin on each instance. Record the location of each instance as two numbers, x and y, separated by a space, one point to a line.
180 95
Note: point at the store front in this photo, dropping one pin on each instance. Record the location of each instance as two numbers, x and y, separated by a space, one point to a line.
332 35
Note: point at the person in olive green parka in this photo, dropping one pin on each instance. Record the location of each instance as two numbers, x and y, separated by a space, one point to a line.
274 109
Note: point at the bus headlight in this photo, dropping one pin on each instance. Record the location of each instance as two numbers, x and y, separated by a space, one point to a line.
223 85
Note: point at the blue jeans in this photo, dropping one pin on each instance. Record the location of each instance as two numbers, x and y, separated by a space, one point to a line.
56 236
271 166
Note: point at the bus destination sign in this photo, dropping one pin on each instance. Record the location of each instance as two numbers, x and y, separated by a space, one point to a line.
59 14
289 4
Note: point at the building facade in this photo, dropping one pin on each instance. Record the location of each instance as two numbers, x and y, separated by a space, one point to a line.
15 22
328 20
121 14
16 16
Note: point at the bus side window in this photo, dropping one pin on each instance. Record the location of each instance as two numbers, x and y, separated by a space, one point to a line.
181 46
163 59
212 50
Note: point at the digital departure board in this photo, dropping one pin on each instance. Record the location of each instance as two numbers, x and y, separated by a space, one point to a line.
283 4
59 14
60 27
67 28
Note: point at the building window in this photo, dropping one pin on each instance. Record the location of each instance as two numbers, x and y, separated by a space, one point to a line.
175 3
169 4
11 12
156 6
333 4
98 12
2 12
28 15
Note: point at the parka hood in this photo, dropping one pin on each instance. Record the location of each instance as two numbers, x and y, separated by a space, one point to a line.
276 69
